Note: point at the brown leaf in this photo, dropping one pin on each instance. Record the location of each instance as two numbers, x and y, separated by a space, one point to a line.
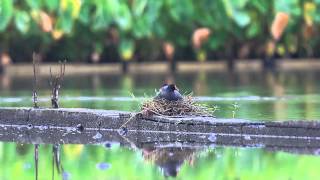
279 24
168 49
46 22
200 36
5 59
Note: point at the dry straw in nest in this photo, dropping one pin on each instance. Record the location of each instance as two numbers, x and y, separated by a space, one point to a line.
162 107
185 107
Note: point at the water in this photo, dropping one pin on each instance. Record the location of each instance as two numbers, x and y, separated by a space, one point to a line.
254 96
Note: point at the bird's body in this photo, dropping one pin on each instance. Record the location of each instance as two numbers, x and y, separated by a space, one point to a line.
169 92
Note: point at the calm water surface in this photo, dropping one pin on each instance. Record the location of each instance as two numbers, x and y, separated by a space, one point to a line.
253 96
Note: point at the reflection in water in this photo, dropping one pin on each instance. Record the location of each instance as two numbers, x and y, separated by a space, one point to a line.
176 155
169 157
201 84
36 159
56 159
169 160
103 166
274 81
5 82
96 82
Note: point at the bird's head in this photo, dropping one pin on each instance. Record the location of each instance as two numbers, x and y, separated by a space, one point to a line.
172 87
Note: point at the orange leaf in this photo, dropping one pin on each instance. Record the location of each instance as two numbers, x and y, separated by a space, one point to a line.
168 49
279 24
5 59
46 22
200 36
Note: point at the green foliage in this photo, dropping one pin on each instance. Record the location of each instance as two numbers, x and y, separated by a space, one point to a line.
22 21
6 11
231 22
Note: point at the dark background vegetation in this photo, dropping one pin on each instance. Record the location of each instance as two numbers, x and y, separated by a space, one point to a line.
109 30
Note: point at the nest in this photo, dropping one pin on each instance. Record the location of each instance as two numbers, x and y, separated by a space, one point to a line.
185 107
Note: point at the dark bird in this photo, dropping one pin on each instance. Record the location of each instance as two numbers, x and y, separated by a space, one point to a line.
169 92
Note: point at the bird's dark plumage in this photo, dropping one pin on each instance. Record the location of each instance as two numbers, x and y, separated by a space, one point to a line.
169 92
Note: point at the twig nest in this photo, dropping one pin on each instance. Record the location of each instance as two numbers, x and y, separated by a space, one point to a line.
184 107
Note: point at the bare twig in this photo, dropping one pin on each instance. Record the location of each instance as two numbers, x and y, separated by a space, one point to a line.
55 83
35 62
130 119
53 162
57 157
36 159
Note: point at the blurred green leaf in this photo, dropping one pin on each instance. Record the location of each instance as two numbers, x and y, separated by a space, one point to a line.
159 30
141 28
52 5
123 17
65 22
253 30
22 21
234 11
241 18
102 17
34 4
261 5
84 16
216 41
180 10
6 10
240 4
228 7
138 7
292 7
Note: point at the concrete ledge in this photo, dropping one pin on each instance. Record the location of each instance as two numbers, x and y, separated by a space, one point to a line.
89 126
114 120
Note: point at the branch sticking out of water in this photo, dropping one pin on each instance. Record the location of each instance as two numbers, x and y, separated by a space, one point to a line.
55 84
35 62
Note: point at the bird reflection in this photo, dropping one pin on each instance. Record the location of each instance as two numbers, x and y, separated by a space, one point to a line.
5 82
169 160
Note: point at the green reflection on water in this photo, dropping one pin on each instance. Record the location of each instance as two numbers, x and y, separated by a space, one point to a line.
80 162
294 96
